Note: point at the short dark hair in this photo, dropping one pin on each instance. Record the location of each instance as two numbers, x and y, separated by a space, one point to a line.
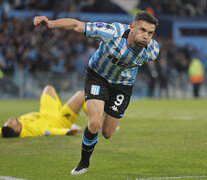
143 15
8 132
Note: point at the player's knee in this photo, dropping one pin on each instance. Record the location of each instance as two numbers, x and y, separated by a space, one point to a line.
94 126
106 135
95 117
48 89
81 93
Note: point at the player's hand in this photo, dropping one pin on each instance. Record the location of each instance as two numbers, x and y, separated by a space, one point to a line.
43 20
71 132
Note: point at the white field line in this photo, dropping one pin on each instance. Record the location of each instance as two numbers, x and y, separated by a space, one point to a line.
184 118
10 178
178 177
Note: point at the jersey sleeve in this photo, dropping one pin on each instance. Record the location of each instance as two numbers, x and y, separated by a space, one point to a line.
104 31
153 50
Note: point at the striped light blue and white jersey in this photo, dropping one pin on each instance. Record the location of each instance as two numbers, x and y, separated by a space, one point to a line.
114 59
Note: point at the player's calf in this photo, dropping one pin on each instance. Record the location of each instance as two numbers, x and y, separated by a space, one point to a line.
89 141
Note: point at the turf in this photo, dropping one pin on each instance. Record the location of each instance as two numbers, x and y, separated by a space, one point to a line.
157 138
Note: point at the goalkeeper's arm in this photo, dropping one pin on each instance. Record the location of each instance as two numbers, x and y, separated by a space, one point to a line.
60 131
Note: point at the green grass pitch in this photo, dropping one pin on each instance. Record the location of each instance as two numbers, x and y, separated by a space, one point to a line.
157 138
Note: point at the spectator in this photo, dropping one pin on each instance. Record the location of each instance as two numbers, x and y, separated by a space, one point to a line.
163 73
153 76
196 75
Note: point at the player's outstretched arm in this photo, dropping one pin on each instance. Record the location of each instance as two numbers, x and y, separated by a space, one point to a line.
65 23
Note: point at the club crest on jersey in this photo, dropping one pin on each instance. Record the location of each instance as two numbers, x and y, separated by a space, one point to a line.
95 90
99 25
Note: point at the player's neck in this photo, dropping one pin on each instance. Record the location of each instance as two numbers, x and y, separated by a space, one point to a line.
133 46
19 128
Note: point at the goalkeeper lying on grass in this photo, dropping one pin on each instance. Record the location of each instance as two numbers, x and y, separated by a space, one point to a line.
52 118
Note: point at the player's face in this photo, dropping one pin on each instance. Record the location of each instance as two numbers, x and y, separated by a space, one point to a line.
12 123
142 32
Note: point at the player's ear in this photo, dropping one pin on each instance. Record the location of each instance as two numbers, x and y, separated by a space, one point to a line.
131 25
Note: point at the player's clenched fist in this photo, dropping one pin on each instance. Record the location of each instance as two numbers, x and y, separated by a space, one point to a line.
42 20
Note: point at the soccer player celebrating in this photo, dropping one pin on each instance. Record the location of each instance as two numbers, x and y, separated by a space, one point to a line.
52 118
111 71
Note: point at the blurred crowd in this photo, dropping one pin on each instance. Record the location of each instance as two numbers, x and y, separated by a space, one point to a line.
41 50
183 8
25 48
96 6
175 7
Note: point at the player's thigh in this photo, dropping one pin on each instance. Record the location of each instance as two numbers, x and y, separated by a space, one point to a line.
95 109
109 125
117 104
76 101
95 106
48 104
96 93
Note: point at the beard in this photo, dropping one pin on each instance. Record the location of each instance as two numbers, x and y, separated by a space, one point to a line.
140 44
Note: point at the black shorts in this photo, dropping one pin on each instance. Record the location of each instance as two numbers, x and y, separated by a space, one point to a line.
115 96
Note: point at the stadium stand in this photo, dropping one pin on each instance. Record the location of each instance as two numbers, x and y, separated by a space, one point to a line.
30 56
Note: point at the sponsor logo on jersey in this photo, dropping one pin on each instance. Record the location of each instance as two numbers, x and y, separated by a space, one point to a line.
114 108
116 61
108 26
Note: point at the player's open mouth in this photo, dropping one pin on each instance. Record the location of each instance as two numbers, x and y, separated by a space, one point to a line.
144 42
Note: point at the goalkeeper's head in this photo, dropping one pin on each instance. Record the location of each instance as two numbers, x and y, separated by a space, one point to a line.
11 128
